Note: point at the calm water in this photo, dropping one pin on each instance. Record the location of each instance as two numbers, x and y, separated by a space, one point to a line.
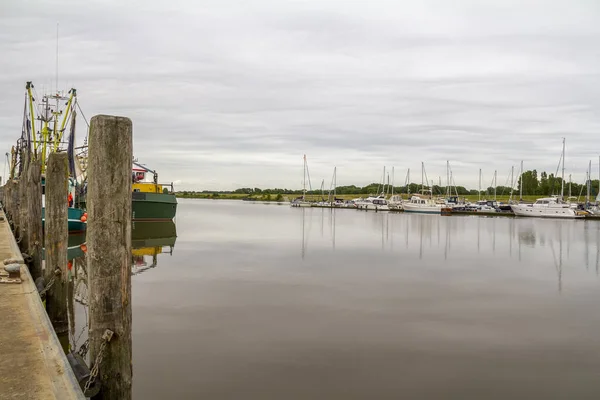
271 302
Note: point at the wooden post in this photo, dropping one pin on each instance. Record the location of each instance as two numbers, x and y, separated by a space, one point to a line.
33 205
56 235
109 250
21 217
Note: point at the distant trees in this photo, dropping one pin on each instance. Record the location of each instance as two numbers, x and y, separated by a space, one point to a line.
542 184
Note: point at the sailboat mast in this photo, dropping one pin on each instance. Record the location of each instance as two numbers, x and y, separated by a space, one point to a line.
304 180
448 178
521 184
569 185
334 182
392 181
479 191
383 181
408 181
495 183
422 177
589 183
562 189
512 181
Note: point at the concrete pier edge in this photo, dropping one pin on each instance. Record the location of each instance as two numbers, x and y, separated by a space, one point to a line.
65 385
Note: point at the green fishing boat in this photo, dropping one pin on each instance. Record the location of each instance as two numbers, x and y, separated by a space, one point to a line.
151 201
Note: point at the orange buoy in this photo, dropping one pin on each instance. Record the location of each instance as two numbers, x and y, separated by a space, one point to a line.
85 214
83 248
83 218
70 265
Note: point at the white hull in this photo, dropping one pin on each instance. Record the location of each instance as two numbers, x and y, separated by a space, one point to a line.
301 204
373 207
556 211
422 208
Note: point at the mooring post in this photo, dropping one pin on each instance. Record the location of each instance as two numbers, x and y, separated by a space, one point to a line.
56 235
21 218
33 205
109 251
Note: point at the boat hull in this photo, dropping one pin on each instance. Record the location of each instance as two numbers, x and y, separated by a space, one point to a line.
153 206
545 212
422 210
74 216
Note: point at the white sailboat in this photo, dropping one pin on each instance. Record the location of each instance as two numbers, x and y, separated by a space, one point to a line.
549 207
301 201
418 204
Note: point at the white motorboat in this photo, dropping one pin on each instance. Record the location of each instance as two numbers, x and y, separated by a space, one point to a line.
378 203
547 207
418 204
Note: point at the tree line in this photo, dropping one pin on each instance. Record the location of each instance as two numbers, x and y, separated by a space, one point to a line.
544 185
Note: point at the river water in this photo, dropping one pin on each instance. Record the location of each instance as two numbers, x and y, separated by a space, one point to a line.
264 301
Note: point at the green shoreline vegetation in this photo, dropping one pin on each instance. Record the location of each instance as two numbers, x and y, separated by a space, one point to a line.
533 187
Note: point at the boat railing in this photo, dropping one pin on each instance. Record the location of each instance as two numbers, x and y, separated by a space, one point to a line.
169 187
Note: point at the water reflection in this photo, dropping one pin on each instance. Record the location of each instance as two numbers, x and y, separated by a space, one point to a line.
148 241
557 243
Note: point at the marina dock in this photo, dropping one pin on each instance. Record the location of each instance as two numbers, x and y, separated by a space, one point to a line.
33 364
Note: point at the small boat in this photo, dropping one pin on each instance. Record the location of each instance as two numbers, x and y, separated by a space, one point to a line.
378 203
418 204
547 207
395 203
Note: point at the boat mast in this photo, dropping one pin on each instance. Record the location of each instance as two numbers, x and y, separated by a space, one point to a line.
512 181
589 183
383 182
408 182
304 180
495 183
334 182
479 191
521 185
569 185
392 181
422 178
448 178
562 189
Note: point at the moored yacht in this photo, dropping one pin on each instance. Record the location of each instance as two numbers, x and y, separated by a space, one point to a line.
546 207
378 203
418 204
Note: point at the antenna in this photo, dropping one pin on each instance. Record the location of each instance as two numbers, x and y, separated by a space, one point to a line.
57 57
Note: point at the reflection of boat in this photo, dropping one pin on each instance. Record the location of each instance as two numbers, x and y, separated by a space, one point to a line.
149 239
75 246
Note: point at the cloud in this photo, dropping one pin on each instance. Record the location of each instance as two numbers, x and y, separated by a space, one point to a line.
225 94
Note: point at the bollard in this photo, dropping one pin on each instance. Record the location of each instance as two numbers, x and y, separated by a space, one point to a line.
56 235
109 252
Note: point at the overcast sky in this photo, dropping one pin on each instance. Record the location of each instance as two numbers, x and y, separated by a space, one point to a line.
227 94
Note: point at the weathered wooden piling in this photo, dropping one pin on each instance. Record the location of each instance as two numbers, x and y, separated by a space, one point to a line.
56 235
33 205
109 251
21 218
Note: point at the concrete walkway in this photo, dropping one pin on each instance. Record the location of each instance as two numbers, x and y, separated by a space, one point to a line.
32 362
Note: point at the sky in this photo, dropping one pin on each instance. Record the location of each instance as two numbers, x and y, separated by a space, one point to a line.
226 94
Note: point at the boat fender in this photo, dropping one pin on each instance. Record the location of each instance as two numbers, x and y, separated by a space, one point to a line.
82 374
